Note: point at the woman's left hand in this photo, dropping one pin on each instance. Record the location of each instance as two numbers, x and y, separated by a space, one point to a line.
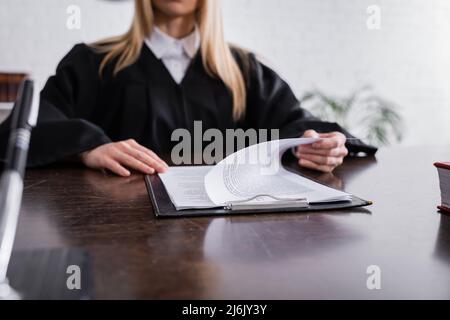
324 155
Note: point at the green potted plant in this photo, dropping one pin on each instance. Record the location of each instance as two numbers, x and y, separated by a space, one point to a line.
368 116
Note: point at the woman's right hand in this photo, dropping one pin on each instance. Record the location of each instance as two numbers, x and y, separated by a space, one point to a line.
119 157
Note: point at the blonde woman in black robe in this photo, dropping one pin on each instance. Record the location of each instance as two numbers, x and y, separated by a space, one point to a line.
114 104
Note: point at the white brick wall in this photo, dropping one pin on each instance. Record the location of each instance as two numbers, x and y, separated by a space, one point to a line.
313 43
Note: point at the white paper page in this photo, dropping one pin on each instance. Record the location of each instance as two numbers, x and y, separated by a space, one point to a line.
186 187
257 170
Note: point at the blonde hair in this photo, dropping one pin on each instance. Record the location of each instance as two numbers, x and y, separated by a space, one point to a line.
216 54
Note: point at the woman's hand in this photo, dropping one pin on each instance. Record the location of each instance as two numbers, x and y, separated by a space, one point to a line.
119 157
324 155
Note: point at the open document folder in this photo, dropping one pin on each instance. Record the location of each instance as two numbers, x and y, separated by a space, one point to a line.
250 179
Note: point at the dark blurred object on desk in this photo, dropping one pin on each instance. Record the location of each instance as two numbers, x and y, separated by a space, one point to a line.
9 86
444 183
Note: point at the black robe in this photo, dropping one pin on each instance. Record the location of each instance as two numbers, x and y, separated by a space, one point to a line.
80 110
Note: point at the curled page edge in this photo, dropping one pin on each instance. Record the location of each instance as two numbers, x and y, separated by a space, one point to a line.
214 182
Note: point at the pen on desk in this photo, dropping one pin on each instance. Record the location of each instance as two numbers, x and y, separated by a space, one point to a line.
24 117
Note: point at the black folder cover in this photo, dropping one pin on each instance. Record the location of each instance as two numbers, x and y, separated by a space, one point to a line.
164 208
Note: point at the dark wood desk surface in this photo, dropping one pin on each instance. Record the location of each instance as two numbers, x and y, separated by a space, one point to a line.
283 256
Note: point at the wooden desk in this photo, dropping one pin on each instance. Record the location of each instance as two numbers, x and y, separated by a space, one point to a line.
283 256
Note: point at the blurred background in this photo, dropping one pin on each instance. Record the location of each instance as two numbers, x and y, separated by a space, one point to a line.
396 73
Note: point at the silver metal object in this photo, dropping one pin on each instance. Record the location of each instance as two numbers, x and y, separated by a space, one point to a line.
25 115
8 293
11 185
